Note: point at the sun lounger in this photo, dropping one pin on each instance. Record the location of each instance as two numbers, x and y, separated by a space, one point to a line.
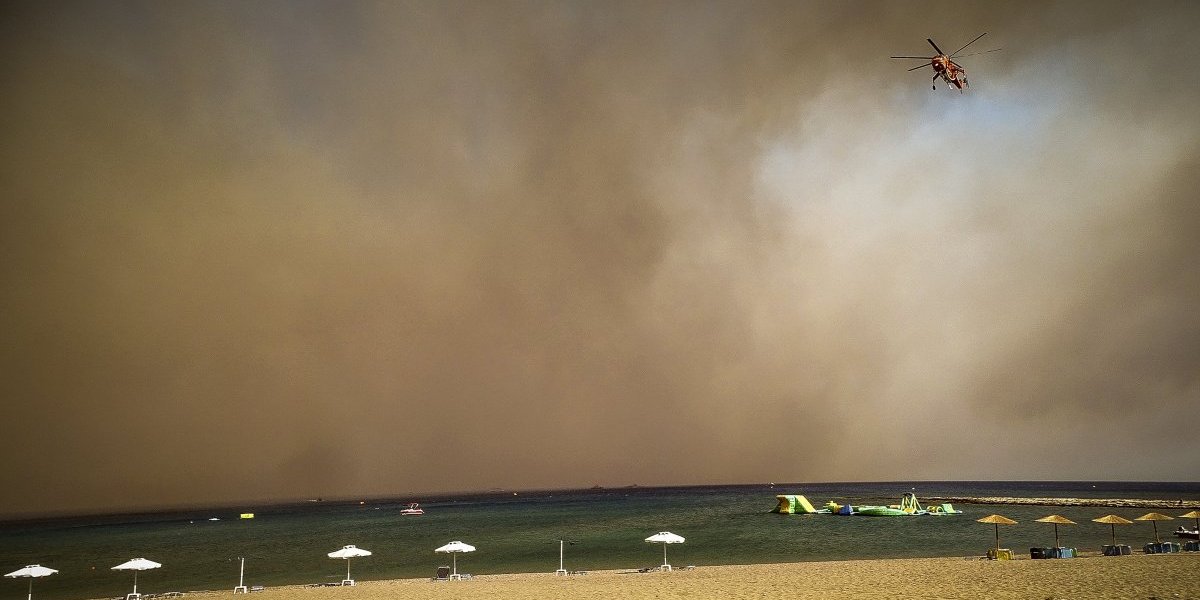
443 574
257 588
1160 548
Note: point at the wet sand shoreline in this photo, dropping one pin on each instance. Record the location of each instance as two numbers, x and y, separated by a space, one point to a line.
1125 577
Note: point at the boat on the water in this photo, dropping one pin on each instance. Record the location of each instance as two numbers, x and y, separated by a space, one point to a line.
412 510
1190 534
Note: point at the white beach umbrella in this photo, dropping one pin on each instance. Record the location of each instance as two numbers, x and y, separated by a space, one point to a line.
135 565
348 552
31 571
664 538
453 549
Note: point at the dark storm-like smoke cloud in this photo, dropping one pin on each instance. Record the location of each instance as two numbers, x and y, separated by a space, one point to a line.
279 251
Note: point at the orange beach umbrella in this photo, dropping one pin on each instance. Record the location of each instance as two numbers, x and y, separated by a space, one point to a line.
1154 518
1057 520
1113 521
997 520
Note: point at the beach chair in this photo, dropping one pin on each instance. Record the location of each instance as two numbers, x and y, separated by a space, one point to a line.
257 588
443 574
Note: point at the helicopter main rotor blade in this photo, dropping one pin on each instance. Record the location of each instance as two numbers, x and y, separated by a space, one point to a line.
920 67
978 53
968 44
920 57
939 50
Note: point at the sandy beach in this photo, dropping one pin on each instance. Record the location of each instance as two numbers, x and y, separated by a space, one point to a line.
1138 576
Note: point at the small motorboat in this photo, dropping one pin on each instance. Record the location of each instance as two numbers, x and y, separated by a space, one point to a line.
412 510
1191 534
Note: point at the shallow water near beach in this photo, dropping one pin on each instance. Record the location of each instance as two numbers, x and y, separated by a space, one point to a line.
520 533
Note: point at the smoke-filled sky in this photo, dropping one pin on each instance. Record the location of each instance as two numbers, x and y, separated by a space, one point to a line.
278 250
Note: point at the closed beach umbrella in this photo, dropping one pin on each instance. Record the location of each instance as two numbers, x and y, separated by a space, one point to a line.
135 565
1113 521
1154 518
31 572
454 549
1057 520
348 552
664 538
997 520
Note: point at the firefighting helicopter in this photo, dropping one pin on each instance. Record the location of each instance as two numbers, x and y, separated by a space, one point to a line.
944 66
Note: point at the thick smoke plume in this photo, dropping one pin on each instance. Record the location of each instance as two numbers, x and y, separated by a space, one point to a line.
278 250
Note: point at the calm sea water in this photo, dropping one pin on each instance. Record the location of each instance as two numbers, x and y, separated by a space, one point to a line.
520 533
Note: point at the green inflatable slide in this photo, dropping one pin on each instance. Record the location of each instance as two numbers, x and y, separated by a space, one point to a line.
790 504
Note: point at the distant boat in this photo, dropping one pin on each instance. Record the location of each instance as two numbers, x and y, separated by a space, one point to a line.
214 519
413 510
1183 532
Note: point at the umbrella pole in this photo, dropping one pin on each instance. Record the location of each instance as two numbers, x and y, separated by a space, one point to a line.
347 568
997 539
30 588
1056 544
454 561
1114 532
135 581
664 555
1155 524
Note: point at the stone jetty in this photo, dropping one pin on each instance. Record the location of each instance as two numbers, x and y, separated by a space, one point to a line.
1181 503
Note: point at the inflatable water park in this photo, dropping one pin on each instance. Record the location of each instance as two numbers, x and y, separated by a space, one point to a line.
795 504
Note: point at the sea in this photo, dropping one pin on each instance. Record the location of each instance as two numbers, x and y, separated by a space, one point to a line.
516 532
